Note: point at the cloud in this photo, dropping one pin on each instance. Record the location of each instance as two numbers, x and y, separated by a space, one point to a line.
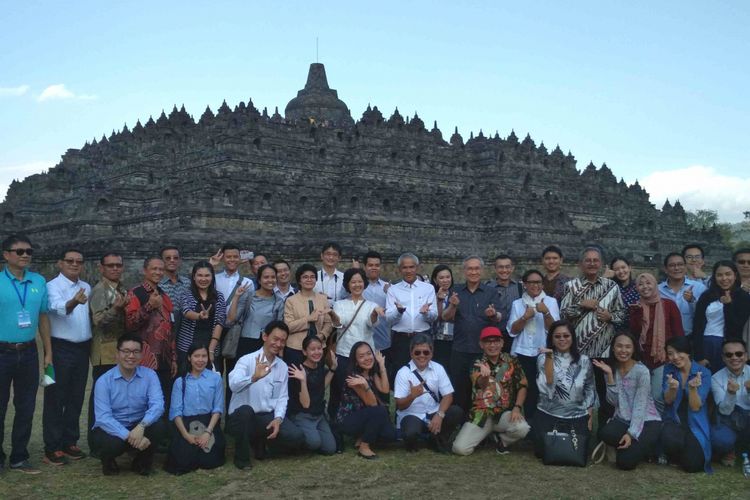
14 91
701 187
10 172
59 91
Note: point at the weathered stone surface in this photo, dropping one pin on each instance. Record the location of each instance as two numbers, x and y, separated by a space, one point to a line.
286 185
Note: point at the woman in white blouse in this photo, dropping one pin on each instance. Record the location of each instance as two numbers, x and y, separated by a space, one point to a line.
530 317
353 319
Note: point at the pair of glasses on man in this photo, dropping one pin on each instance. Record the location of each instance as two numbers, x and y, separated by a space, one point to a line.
21 251
736 354
421 353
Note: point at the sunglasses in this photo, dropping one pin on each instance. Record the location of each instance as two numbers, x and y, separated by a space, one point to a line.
743 262
73 261
21 251
736 354
426 352
113 265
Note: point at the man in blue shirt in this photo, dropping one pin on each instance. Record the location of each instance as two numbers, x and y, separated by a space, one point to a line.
681 289
23 310
471 308
128 404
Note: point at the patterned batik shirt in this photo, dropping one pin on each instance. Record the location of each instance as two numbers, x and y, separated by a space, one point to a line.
593 336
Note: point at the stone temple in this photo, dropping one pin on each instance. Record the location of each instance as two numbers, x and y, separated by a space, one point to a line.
285 184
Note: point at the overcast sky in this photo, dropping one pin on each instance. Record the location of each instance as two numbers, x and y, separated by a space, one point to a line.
657 90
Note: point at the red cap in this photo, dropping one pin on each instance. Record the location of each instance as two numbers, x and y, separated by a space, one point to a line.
490 331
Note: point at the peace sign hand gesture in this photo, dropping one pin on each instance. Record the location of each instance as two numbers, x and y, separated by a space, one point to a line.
204 313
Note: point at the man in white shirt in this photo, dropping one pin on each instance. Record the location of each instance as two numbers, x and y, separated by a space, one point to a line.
283 288
376 292
331 280
411 307
424 399
70 329
730 387
260 395
226 281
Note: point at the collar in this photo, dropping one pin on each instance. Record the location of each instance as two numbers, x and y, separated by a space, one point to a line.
232 275
585 280
202 375
413 366
112 284
465 286
118 372
497 285
12 277
67 281
406 285
336 272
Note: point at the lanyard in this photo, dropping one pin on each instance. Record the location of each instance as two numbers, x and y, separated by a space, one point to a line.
15 287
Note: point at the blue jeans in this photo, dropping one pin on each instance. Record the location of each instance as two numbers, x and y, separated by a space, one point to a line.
730 429
63 400
20 368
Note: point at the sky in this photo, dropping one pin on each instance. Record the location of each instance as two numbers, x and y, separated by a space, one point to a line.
656 90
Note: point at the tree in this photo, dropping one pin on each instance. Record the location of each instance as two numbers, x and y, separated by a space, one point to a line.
702 219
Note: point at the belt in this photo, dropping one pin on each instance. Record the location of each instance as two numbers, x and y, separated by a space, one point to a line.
16 346
410 334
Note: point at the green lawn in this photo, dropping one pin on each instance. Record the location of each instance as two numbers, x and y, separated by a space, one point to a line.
397 475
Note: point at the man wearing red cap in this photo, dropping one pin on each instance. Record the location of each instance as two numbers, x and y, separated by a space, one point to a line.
498 392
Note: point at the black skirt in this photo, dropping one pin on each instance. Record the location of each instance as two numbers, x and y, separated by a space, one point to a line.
184 457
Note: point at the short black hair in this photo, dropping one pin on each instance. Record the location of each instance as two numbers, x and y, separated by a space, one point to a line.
262 269
68 250
553 249
129 337
259 254
303 268
680 344
372 254
276 324
672 254
148 260
573 342
109 254
280 261
333 245
735 254
168 247
692 245
529 273
350 273
229 246
15 238
734 341
502 256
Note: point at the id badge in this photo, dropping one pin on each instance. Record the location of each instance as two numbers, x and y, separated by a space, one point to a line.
171 317
24 319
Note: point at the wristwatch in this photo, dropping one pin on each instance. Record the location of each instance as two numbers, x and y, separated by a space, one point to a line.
441 414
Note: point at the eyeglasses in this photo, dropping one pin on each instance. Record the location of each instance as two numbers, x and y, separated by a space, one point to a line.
592 261
21 251
426 352
535 282
736 354
130 352
740 262
307 277
113 265
693 257
70 262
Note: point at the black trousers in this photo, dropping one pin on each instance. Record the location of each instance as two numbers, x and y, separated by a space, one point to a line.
111 447
528 363
96 372
63 400
460 375
639 449
412 427
682 447
544 423
249 428
337 385
605 411
371 424
442 354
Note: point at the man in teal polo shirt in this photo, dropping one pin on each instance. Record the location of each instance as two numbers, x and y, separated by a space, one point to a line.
23 310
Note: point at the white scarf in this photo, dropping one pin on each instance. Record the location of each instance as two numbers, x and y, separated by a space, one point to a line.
530 327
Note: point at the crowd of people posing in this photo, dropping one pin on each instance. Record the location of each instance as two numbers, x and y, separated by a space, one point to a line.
310 364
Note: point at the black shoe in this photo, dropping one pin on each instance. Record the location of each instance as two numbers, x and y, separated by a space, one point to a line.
110 467
368 457
501 449
242 465
260 449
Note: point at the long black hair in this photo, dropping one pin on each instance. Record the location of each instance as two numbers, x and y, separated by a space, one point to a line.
353 368
211 292
612 266
573 344
714 292
433 277
637 355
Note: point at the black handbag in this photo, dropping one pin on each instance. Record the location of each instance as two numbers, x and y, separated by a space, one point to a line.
563 448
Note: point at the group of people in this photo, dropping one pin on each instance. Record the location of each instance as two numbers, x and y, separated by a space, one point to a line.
177 361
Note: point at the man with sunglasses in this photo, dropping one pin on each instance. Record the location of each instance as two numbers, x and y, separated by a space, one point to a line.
23 310
70 329
107 306
741 258
424 398
731 391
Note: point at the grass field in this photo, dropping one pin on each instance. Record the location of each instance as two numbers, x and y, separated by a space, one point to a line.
397 474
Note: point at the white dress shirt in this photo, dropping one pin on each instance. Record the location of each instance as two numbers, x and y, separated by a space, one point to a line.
412 296
332 285
73 327
527 342
361 329
435 378
714 320
268 394
725 401
225 284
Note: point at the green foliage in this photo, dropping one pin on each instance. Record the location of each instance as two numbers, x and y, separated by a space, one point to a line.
706 220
